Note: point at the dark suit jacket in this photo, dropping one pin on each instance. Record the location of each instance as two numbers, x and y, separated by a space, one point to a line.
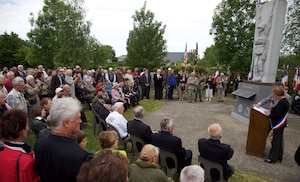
55 83
144 80
216 151
158 82
101 110
166 141
138 128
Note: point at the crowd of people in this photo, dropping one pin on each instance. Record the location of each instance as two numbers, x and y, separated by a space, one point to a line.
52 103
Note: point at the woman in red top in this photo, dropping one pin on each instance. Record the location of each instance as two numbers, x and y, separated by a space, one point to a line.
17 161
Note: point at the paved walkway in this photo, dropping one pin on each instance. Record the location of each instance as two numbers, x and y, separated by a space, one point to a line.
193 119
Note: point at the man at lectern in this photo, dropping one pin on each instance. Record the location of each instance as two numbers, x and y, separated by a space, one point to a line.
270 99
277 115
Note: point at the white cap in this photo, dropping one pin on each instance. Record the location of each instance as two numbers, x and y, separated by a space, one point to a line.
59 89
169 69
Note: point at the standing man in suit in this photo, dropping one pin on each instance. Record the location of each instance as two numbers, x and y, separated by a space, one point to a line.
145 81
58 79
137 127
158 84
165 140
212 149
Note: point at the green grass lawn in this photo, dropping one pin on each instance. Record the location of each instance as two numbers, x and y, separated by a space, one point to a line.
150 106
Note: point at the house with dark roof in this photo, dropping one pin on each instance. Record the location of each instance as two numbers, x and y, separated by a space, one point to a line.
171 56
174 56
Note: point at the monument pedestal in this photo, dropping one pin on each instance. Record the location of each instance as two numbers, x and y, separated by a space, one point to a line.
249 93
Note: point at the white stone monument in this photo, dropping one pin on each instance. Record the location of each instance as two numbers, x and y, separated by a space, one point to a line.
267 40
266 48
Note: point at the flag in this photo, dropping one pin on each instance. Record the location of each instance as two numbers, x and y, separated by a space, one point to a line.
284 78
196 54
185 56
296 79
216 74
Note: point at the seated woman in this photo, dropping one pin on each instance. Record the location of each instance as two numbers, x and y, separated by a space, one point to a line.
146 166
16 158
109 140
127 89
117 95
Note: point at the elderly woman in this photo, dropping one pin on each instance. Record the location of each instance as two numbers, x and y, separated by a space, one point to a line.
70 81
146 166
278 115
117 95
32 95
16 159
110 140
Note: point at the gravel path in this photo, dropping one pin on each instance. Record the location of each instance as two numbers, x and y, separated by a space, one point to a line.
191 122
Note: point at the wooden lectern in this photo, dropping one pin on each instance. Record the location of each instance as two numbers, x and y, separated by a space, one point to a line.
257 132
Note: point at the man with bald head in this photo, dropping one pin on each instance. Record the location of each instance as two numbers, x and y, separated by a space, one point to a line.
212 149
137 127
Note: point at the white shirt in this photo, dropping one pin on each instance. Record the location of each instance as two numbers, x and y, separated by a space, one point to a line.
118 121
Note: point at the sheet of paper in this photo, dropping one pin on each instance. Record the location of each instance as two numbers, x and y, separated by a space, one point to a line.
260 109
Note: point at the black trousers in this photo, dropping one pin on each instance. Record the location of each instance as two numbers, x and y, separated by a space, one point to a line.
145 91
158 92
276 151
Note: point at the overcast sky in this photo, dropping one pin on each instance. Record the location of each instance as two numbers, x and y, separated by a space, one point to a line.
187 21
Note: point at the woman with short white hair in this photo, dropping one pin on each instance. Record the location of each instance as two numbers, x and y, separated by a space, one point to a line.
70 81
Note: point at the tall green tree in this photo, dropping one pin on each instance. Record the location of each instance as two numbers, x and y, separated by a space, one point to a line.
146 46
59 35
210 56
12 50
291 35
233 30
98 53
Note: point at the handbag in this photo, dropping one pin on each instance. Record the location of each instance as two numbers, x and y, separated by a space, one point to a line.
33 101
17 165
271 135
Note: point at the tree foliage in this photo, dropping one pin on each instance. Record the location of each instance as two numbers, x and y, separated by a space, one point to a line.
59 36
12 50
146 46
210 56
291 35
233 30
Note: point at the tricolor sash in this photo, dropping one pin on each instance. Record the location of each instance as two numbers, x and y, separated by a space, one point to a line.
280 123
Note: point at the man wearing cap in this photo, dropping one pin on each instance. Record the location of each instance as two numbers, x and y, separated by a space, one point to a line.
110 76
59 92
103 106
